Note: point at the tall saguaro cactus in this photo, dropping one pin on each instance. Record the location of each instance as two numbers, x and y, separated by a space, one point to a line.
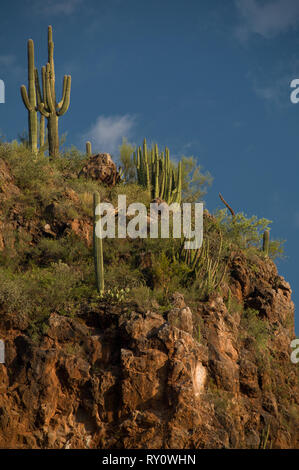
46 100
29 98
155 172
98 247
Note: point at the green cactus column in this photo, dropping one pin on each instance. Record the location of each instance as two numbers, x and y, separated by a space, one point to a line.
39 97
29 99
88 149
98 247
178 194
146 166
156 174
41 131
266 242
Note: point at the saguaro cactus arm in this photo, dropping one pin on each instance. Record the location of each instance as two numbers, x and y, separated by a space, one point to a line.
50 99
25 98
64 83
41 94
66 97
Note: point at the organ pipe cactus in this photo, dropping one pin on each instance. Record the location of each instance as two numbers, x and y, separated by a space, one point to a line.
29 98
206 264
46 99
155 173
98 246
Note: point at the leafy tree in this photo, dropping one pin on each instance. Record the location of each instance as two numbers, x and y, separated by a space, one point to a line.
194 182
125 156
248 232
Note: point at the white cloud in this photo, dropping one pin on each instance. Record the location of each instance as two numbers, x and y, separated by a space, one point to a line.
107 132
56 7
266 18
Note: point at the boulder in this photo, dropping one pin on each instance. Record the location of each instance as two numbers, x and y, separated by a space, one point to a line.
102 168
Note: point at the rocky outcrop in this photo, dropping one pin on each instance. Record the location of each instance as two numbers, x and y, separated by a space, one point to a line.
102 168
121 377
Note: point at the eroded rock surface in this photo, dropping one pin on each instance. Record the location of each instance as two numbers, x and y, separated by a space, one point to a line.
102 168
126 378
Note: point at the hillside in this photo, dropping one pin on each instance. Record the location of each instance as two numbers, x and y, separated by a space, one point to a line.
166 357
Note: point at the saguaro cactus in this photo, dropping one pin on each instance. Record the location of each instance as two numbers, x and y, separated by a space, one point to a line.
88 149
266 242
47 104
98 247
29 99
155 172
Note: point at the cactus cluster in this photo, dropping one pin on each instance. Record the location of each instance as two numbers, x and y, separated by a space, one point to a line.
43 99
156 173
207 268
115 295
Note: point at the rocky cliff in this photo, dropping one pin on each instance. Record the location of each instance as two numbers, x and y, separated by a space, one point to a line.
124 377
81 372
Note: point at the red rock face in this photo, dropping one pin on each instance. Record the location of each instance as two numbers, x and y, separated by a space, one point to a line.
126 378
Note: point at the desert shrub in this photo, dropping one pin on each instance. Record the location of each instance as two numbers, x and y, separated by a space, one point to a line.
254 327
247 232
233 304
142 296
126 162
69 249
194 182
38 291
29 171
38 179
168 274
122 275
70 163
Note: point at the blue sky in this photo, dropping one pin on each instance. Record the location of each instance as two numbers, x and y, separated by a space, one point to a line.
208 78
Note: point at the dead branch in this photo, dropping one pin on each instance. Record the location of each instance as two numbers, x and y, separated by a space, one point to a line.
228 206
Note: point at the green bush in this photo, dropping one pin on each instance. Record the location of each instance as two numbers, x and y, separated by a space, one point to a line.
39 291
247 232
255 327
